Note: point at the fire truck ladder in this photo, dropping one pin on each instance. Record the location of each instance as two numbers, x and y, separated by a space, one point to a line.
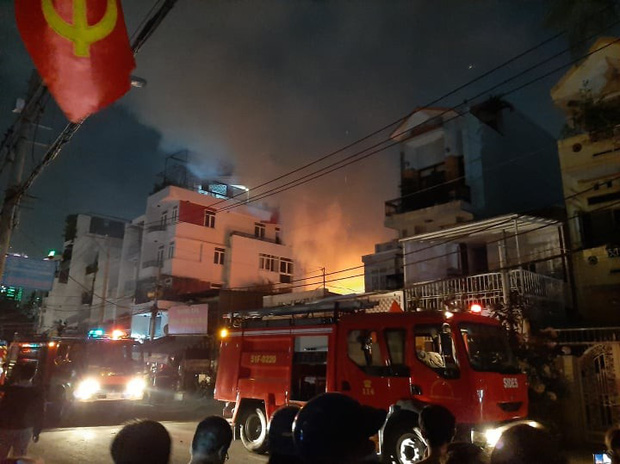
325 311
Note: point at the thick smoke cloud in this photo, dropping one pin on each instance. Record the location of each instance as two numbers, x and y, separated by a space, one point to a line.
268 86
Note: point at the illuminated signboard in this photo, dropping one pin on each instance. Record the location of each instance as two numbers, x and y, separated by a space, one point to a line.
36 274
188 320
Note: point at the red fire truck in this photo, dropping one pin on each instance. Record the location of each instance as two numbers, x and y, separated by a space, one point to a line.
89 369
395 361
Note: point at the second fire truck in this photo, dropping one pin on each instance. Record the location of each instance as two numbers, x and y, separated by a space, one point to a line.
99 367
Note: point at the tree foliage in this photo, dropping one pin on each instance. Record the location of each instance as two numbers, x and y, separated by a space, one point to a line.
537 357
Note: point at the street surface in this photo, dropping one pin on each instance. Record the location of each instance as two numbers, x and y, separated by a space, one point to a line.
87 433
92 445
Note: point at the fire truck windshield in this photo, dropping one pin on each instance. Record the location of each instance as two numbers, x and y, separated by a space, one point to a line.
488 349
119 356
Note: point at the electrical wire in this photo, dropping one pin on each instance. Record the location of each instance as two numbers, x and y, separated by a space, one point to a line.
433 102
454 108
357 157
459 237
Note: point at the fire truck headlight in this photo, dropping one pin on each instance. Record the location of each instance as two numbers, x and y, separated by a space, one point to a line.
135 388
492 436
86 389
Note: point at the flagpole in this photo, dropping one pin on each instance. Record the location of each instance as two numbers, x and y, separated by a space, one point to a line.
16 189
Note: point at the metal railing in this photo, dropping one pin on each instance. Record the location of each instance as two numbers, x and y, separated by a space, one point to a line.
151 263
586 335
157 227
486 289
438 194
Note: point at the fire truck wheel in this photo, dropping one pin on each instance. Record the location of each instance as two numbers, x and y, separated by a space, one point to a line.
254 430
404 445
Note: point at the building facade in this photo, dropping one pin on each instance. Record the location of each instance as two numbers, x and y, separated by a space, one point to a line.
490 262
462 167
183 249
85 290
589 154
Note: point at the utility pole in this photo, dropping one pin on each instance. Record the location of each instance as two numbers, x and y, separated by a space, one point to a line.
505 275
17 145
323 270
155 308
21 131
104 290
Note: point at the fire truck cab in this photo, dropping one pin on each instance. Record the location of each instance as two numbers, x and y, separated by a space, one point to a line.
82 369
396 361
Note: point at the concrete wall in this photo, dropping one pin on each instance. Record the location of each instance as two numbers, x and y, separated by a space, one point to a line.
243 267
521 172
64 301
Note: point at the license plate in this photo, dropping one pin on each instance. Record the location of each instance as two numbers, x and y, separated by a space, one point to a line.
511 382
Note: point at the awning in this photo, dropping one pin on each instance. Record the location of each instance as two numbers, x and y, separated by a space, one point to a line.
511 223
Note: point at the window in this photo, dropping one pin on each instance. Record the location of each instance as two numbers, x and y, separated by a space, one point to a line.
600 228
175 214
286 266
218 256
435 349
278 238
268 262
364 349
488 349
395 340
209 219
275 264
171 250
160 255
259 230
164 218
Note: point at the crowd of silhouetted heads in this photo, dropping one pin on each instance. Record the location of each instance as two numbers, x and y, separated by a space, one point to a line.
333 428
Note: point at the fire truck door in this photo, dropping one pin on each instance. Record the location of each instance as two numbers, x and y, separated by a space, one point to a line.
309 368
435 373
372 365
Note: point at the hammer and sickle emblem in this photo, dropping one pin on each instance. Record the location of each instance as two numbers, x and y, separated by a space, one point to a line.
80 32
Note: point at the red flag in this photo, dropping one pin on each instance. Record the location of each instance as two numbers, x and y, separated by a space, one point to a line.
81 50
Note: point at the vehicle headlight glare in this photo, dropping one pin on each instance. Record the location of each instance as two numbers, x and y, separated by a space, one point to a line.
86 389
135 388
492 436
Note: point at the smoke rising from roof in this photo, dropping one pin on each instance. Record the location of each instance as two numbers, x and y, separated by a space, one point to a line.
268 86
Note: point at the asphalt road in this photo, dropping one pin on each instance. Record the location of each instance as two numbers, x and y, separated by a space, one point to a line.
92 444
86 434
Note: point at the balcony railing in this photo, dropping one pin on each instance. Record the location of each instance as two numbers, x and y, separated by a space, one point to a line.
156 227
485 289
586 336
151 263
431 196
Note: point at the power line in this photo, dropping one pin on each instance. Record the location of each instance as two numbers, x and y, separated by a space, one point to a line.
377 148
464 235
431 103
360 156
567 252
545 61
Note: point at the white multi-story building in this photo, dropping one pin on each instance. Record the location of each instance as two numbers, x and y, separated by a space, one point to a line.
489 165
183 248
85 288
461 167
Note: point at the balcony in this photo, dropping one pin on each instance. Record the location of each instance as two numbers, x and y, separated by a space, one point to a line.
151 263
156 227
485 289
439 194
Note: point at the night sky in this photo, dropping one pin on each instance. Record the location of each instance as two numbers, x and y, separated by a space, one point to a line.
265 86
